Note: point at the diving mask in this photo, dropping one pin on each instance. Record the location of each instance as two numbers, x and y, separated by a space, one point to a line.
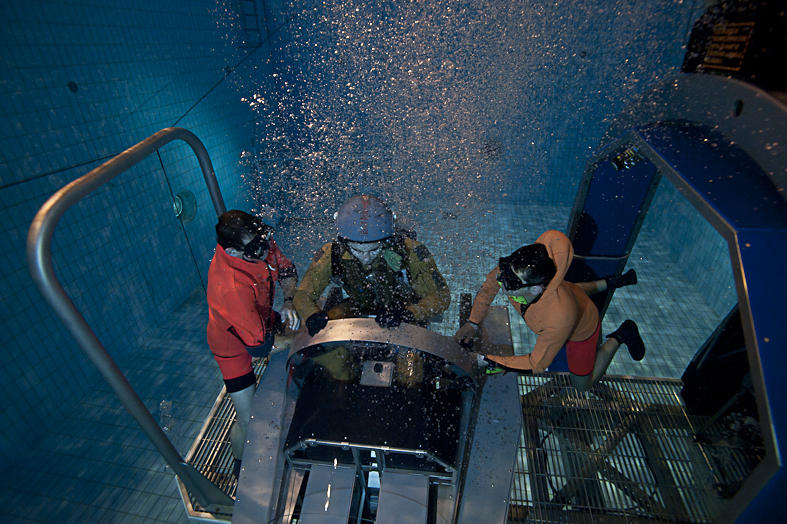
258 245
516 298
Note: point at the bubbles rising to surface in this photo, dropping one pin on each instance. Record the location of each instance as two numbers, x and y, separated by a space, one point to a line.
433 106
387 99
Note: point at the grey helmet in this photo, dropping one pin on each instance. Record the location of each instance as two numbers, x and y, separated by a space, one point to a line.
364 218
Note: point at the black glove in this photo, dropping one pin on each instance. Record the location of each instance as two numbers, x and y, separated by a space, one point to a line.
626 279
316 322
278 327
466 334
393 316
263 349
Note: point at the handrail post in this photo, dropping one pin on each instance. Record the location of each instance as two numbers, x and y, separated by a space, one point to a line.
39 256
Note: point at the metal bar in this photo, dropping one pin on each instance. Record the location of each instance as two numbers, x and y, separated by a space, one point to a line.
536 461
493 449
39 256
361 482
653 456
291 499
648 479
209 423
407 335
622 481
657 461
564 494
259 486
217 432
403 498
383 449
328 497
210 453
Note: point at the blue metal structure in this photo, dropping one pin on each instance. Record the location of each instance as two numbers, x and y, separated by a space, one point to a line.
721 143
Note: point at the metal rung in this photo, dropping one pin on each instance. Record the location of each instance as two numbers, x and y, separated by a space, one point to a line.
329 493
404 498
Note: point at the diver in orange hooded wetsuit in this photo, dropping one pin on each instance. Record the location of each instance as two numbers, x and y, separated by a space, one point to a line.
559 312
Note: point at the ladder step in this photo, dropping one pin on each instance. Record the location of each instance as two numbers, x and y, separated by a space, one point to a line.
404 498
328 495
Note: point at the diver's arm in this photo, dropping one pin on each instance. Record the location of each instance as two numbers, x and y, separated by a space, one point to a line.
427 282
288 274
316 279
247 324
592 287
484 297
288 312
519 362
548 344
551 339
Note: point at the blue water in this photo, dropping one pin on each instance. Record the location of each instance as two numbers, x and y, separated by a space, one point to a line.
477 135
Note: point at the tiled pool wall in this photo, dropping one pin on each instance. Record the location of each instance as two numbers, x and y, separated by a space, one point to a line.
81 82
685 286
698 252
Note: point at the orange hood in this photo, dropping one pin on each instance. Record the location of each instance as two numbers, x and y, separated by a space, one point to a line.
561 252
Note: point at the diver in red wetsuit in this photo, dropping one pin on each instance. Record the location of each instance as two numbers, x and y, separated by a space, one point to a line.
242 322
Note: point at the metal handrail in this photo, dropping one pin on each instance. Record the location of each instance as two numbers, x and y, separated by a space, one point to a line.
39 258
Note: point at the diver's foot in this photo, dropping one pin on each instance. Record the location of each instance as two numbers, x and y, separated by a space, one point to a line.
628 334
628 278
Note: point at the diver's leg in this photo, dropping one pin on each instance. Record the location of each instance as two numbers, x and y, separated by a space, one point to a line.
627 334
613 282
583 357
604 355
241 400
592 287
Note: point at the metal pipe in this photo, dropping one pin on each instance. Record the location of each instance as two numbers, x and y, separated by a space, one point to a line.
39 257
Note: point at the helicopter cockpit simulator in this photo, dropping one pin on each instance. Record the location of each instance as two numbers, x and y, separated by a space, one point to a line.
387 419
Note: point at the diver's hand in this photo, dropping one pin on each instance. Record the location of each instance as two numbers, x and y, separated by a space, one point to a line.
290 316
466 334
393 317
488 367
517 363
316 322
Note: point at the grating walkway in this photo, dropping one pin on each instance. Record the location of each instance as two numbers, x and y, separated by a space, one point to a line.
623 451
211 453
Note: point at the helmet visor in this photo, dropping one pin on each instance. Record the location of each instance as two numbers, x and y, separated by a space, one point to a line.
366 252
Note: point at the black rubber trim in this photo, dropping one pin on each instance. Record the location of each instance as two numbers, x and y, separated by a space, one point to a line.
239 383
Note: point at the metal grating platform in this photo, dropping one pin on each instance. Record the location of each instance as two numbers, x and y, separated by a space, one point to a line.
624 450
211 453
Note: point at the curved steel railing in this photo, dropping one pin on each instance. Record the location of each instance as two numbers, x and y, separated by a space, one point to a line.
39 257
406 335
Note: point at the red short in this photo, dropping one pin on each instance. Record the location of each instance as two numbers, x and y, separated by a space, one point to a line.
581 355
230 353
